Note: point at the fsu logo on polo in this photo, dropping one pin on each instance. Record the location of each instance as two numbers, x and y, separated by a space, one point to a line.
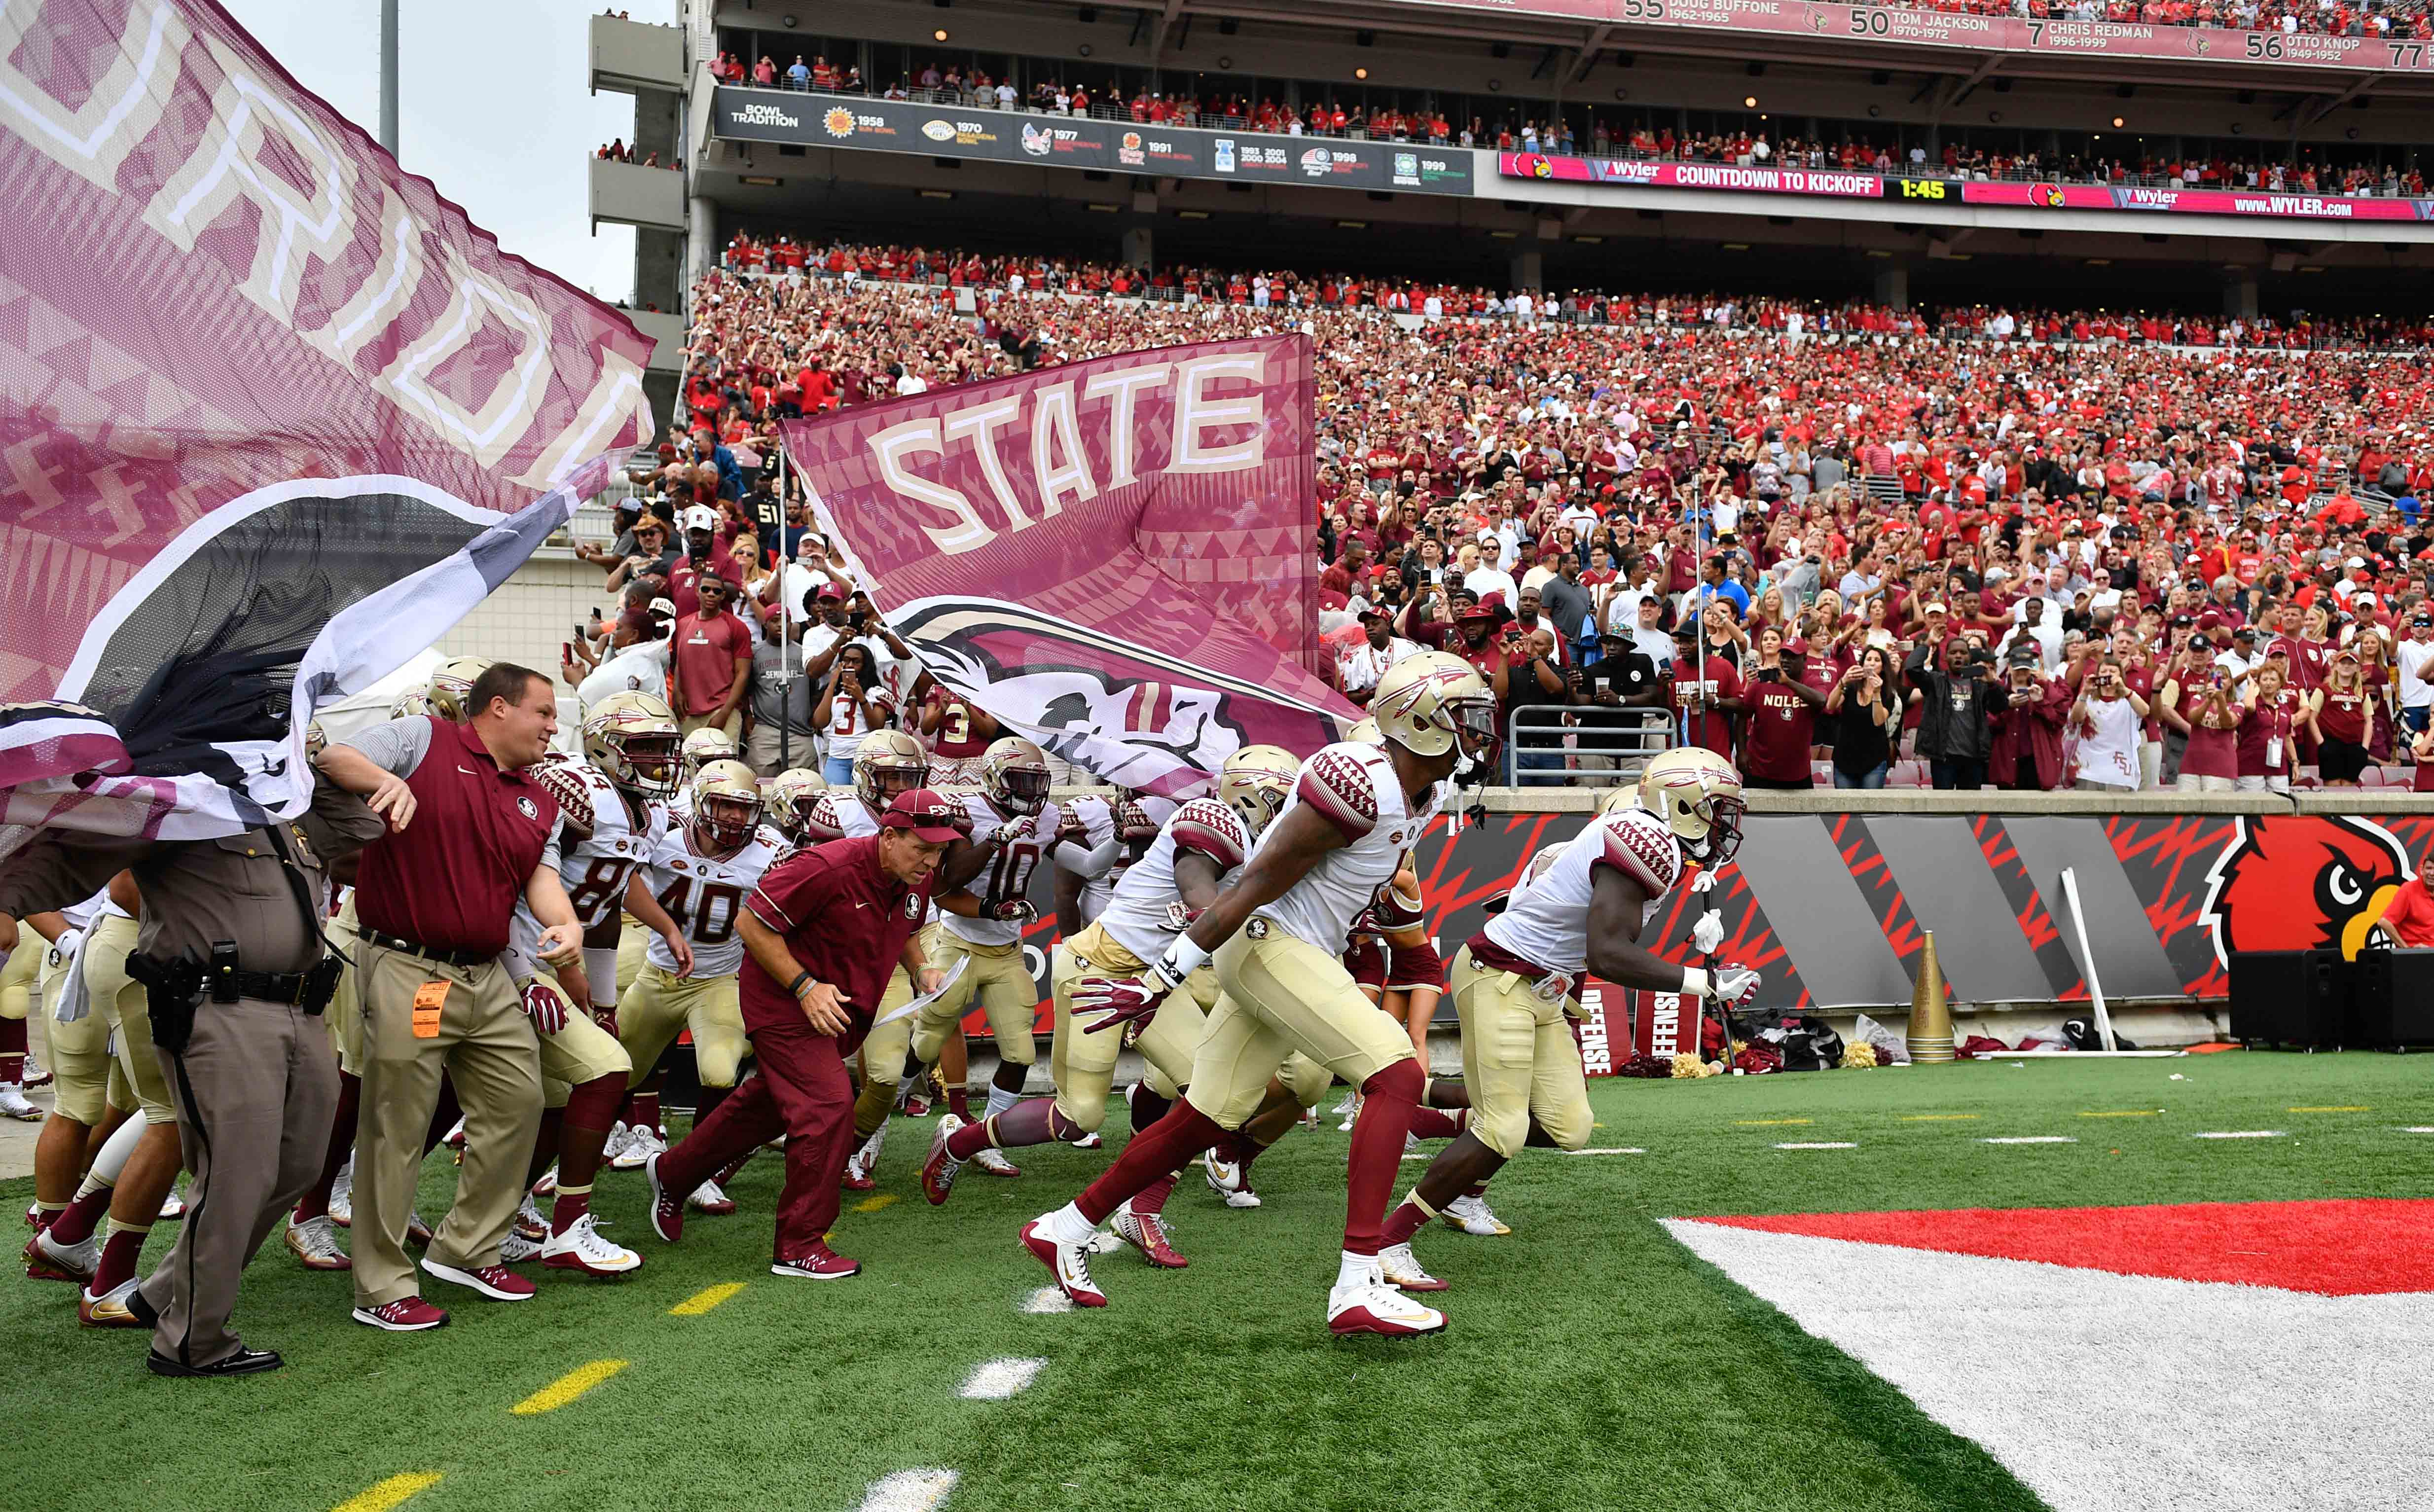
528 808
911 905
2303 883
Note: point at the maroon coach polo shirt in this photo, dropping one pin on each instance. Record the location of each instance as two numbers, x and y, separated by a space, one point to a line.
452 878
845 922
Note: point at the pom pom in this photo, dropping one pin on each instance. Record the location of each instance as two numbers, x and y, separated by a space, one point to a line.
1686 1068
1859 1054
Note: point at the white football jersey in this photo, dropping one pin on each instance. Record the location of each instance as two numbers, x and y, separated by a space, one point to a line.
1010 865
1136 915
839 814
704 893
596 870
1547 920
1353 783
1096 816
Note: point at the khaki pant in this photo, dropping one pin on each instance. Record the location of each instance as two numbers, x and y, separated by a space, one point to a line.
344 1017
17 977
580 1052
1517 1059
1083 1064
732 725
1004 986
489 1053
650 1017
760 751
1283 994
79 1052
124 1008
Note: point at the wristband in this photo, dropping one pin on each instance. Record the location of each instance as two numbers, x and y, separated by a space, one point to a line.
795 987
1697 983
1183 957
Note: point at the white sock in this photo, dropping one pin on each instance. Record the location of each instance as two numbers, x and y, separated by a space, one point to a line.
1356 1270
1068 1227
999 1100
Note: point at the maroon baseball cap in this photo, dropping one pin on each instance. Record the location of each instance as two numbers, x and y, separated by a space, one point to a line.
930 816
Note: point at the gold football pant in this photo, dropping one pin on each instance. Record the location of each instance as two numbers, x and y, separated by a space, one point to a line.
1517 1059
1083 1064
124 1008
661 1006
1002 984
580 1052
1283 994
17 977
83 1079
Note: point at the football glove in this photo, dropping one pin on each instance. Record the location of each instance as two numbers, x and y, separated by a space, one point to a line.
1179 916
544 1005
64 950
1733 985
1701 882
1708 933
1133 823
1011 911
1123 1000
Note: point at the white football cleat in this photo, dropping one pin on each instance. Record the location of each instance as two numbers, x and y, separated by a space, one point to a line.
1351 1104
342 1196
858 1165
529 1222
1472 1215
995 1163
711 1198
1351 1111
581 1248
315 1245
14 1103
1089 1141
71 1260
1225 1179
518 1248
1371 1306
455 1137
1069 1264
1402 1268
614 1150
36 1074
173 1206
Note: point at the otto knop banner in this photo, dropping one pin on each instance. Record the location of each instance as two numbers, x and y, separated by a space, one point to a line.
276 413
1982 33
1832 908
1077 141
1113 557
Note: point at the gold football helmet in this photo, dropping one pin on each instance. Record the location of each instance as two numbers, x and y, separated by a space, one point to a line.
1014 775
726 803
1436 702
633 738
704 745
451 687
1697 793
792 796
887 763
1255 782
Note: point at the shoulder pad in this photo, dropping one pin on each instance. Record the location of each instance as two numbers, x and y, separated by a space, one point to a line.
822 824
564 781
1070 827
1339 784
1211 828
1636 844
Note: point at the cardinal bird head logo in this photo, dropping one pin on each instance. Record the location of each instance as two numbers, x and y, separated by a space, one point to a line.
2303 883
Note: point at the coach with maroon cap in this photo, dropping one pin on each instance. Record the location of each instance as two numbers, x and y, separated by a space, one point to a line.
822 934
471 833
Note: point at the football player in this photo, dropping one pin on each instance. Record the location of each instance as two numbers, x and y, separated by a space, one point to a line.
1200 848
1516 979
450 684
699 874
1114 831
794 801
1277 937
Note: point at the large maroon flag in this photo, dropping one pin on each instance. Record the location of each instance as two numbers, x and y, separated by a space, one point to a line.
1116 557
273 415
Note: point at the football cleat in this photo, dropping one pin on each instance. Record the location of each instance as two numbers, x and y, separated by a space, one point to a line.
614 1146
995 1163
1351 1111
912 1100
641 1143
496 1282
34 1218
417 1231
1402 1268
1225 1179
529 1223
518 1248
108 1311
407 1315
1069 1264
1146 1233
709 1198
667 1207
546 1187
315 1245
173 1207
342 1196
1089 1141
1351 1104
47 1260
939 1170
13 1103
820 1264
1472 1215
454 1139
37 1074
1373 1307
581 1248
858 1165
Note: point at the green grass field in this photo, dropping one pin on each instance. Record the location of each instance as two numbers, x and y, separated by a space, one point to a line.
1592 1362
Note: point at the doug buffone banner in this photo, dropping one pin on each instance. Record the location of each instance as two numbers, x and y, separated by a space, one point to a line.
1114 557
276 415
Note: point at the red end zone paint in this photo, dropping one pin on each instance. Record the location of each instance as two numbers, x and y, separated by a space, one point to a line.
2346 1248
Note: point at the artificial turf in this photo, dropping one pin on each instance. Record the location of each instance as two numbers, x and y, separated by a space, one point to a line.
1591 1363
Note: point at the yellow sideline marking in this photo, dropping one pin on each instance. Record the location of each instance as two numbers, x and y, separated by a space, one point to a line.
2360 1109
703 1300
1768 1123
2127 1113
1937 1118
874 1203
388 1493
567 1387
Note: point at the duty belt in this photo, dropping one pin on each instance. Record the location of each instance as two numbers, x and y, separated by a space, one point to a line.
429 953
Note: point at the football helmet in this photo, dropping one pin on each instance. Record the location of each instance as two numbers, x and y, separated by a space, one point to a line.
316 740
410 705
634 739
888 762
704 745
451 687
1367 733
1436 702
1255 782
1014 775
726 803
792 796
1697 795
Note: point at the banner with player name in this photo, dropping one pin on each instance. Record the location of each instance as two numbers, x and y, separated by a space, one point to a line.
1113 557
277 415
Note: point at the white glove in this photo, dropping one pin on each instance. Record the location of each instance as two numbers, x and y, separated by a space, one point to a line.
1734 986
1704 882
1708 933
64 950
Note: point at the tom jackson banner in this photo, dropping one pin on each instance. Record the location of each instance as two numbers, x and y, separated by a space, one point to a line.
1113 556
274 416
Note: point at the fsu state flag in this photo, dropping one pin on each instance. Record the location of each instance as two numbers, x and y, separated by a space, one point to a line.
273 415
1115 556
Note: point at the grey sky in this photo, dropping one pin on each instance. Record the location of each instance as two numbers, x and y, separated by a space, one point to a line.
493 107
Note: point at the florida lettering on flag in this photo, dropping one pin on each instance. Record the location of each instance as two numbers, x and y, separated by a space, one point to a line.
1113 557
273 416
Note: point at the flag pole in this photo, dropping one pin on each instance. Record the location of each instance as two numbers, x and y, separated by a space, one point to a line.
785 627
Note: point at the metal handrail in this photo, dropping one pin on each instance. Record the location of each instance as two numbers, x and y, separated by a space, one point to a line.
1628 747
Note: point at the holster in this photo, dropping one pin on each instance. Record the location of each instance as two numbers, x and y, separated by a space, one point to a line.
173 989
321 983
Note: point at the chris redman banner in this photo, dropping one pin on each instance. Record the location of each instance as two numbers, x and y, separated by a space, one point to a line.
1114 557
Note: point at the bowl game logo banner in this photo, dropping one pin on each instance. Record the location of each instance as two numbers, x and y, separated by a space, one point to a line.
275 414
1112 556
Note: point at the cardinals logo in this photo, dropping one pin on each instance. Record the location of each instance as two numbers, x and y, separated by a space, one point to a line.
2303 883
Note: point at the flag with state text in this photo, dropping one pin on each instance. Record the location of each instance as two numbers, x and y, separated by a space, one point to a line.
273 416
1114 557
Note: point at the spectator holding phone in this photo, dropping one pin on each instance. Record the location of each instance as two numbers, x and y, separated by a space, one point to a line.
1704 692
1533 677
1957 703
2110 717
2213 712
1783 710
854 704
1866 715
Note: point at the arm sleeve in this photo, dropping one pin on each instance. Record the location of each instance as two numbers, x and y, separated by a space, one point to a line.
395 745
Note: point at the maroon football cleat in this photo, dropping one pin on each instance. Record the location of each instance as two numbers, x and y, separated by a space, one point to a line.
939 1170
667 1207
1146 1233
1069 1264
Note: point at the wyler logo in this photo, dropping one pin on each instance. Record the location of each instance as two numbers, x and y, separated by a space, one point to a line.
1128 150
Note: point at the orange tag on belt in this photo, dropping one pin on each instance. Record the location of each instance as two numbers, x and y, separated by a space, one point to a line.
427 1000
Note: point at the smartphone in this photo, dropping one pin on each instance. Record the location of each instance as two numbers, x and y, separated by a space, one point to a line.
566 650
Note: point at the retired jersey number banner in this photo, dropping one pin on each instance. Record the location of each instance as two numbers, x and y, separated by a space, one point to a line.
276 415
1112 556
